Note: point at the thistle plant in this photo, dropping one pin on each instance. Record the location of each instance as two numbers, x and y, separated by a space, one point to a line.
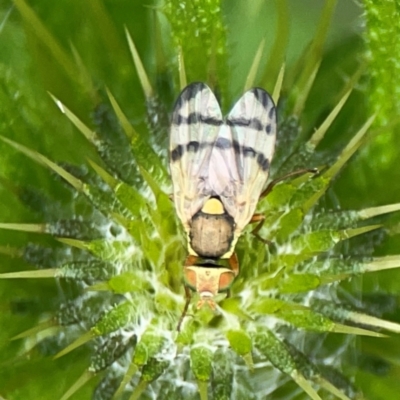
92 251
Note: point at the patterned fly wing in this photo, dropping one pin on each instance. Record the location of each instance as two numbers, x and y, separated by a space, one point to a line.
196 121
227 158
242 153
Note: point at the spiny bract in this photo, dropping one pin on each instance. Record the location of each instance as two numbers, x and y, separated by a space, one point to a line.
118 261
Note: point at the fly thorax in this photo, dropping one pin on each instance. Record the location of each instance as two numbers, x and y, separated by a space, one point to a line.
208 281
212 230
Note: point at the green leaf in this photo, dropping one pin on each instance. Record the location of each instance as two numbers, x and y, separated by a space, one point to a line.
240 342
201 362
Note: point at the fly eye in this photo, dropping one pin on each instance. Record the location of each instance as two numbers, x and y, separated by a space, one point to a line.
225 280
190 277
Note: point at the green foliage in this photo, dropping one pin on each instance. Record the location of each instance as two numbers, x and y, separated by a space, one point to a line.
207 36
99 218
382 63
201 362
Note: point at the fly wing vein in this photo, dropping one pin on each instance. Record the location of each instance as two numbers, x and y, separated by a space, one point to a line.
196 120
251 132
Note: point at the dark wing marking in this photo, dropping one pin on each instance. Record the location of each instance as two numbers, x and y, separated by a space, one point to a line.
240 160
196 121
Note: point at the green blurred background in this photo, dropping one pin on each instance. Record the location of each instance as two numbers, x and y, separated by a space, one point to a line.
39 53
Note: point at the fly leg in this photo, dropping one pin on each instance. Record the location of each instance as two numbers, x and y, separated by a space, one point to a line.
259 220
234 265
190 260
271 185
188 296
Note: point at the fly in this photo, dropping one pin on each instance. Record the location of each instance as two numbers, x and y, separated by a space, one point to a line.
219 167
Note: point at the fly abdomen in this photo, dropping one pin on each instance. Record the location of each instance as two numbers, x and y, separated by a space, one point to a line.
212 230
